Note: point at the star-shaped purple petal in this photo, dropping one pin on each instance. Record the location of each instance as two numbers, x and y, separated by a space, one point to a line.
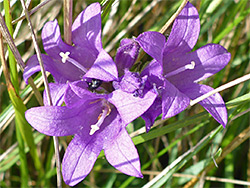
178 69
86 58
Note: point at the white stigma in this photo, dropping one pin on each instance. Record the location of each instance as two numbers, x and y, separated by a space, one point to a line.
105 112
65 57
94 128
190 66
181 69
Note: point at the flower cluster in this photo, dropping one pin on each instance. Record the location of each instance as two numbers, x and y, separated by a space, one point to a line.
94 98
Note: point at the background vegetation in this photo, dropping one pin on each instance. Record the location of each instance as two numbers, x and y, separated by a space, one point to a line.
186 150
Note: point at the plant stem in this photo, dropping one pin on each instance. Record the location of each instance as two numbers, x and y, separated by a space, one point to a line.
67 21
221 88
171 20
12 62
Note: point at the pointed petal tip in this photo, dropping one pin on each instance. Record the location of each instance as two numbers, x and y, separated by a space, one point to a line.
152 43
140 176
224 123
97 6
72 183
224 126
49 26
185 31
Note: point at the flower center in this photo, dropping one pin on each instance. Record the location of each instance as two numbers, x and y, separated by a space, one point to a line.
65 57
181 69
105 112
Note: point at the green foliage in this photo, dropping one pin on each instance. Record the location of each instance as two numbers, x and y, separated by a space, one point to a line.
180 148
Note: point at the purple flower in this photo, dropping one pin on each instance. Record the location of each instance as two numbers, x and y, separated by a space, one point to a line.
98 122
85 59
175 70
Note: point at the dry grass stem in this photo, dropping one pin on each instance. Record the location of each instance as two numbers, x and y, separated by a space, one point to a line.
5 32
221 88
39 56
31 11
68 4
171 20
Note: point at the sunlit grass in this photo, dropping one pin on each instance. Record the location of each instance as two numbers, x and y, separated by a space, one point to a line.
185 147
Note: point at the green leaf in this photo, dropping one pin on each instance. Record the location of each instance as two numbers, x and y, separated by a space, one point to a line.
25 129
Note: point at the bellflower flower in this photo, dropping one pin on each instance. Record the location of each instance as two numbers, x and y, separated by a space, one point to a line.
98 122
85 59
175 70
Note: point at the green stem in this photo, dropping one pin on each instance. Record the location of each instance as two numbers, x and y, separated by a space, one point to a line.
24 166
12 61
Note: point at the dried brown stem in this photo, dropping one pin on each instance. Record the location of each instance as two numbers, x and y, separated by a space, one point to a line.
4 63
5 32
39 57
171 20
68 21
31 11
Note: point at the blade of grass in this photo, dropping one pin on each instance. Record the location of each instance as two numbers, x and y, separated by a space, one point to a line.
21 122
9 111
31 11
23 166
133 22
243 136
160 179
228 29
12 62
163 151
106 8
9 158
23 159
24 132
171 127
209 18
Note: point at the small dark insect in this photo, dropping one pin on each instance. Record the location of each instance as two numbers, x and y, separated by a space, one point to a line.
94 84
